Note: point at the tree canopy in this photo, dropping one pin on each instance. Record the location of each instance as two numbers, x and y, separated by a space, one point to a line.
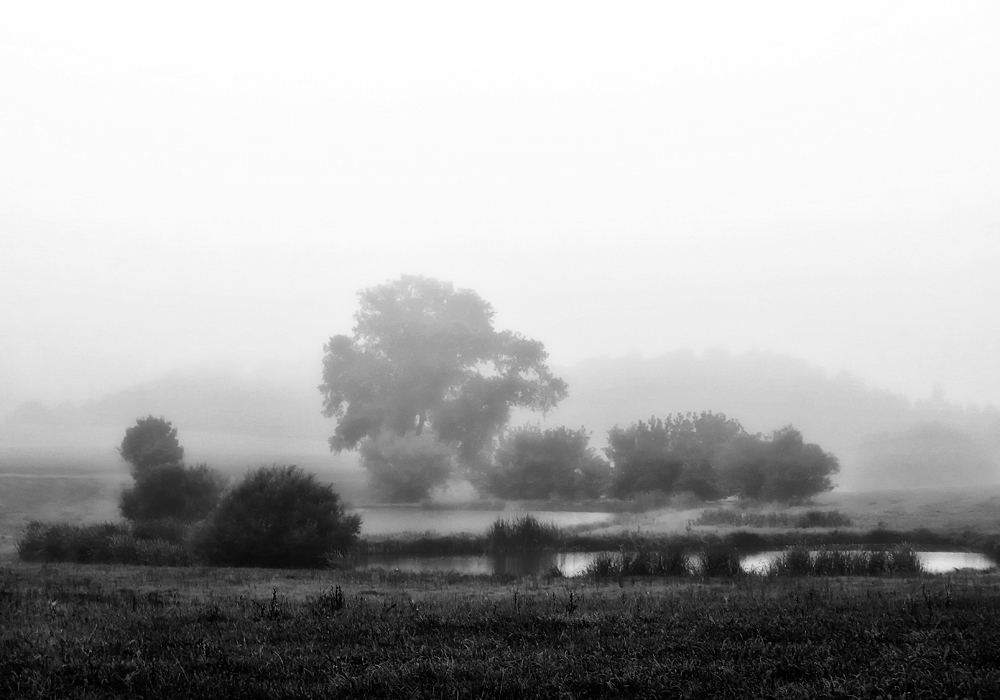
151 442
424 355
676 454
534 464
712 456
164 487
780 467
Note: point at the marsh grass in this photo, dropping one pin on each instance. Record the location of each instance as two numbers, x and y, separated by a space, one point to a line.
524 534
799 561
719 559
668 561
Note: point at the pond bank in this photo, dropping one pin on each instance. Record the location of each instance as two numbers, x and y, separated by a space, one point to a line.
743 541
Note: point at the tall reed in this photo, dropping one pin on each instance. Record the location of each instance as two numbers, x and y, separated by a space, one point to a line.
524 534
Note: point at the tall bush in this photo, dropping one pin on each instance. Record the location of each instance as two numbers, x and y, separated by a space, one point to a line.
172 491
277 517
535 464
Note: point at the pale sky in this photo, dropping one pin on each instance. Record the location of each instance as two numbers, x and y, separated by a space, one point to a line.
211 184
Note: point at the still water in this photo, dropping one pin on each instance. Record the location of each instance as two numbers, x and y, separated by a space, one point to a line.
394 519
932 562
574 563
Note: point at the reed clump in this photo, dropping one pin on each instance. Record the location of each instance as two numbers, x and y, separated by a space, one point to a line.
799 561
524 534
719 559
667 561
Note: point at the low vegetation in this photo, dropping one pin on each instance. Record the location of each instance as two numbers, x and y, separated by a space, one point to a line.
522 534
799 561
666 561
729 517
107 543
77 632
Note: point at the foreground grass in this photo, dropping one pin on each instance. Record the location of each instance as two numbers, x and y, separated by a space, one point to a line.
78 631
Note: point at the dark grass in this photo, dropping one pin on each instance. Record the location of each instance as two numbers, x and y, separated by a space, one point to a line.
799 561
167 543
88 632
104 543
524 534
668 561
737 518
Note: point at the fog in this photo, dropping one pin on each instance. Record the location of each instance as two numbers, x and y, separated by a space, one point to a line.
191 197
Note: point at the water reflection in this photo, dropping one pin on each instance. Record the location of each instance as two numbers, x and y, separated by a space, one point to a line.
575 563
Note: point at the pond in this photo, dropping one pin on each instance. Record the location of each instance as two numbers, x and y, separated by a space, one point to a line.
386 520
575 563
932 562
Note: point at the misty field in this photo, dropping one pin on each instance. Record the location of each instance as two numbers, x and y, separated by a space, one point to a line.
86 631
58 493
73 630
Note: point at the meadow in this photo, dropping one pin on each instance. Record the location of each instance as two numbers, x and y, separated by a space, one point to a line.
77 631
636 625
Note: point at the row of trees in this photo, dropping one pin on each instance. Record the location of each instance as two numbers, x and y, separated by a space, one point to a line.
275 516
708 455
424 389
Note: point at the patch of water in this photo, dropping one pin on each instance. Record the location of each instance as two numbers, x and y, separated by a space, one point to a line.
932 562
524 564
575 563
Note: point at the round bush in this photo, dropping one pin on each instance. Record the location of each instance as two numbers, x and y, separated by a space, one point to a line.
277 517
171 491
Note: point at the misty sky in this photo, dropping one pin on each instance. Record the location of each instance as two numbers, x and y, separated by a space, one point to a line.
212 184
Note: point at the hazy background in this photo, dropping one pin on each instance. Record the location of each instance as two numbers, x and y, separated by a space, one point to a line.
781 211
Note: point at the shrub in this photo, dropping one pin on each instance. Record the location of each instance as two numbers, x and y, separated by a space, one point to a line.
83 544
277 517
106 543
534 464
172 491
167 530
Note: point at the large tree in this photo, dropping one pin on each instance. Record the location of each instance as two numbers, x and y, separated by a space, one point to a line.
425 357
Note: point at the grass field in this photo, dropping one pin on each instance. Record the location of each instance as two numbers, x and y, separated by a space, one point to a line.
74 631
93 631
